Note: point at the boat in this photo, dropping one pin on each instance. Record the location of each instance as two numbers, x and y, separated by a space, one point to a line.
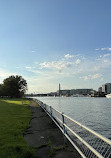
108 95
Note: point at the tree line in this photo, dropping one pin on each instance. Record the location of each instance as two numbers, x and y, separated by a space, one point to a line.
13 87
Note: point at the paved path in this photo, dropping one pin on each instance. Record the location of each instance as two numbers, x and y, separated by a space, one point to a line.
46 136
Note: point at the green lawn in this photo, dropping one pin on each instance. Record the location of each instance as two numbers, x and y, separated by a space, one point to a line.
14 119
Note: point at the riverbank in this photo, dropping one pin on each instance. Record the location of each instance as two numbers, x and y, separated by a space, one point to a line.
46 137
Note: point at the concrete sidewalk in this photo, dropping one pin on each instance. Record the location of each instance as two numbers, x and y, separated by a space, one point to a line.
47 137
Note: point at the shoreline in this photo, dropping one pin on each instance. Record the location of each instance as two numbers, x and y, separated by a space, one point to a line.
46 137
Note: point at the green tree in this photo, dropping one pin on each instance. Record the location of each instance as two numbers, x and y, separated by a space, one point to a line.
1 90
14 86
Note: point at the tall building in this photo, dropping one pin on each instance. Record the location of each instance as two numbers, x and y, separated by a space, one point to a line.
106 88
59 89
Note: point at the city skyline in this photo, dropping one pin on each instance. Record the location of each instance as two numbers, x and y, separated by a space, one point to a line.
51 42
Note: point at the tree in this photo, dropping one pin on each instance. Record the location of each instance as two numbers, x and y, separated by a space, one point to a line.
14 86
1 90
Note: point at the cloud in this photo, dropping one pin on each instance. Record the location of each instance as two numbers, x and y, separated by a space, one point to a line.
95 68
67 68
53 65
107 55
95 76
33 51
105 61
109 49
28 67
104 48
78 61
85 78
97 49
103 57
68 56
91 77
61 65
58 65
45 73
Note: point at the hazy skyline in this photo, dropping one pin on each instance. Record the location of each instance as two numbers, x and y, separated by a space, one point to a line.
56 41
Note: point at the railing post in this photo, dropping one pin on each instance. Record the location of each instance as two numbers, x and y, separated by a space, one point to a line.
63 123
64 129
45 106
51 111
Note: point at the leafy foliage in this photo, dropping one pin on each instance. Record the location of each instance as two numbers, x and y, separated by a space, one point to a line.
13 86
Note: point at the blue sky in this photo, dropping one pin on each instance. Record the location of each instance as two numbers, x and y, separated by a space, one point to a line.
56 41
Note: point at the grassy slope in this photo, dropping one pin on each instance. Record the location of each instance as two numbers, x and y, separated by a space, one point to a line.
14 119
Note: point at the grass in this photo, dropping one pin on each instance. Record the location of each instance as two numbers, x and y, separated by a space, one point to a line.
14 119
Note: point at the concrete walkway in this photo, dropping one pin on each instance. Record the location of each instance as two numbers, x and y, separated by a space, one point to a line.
46 136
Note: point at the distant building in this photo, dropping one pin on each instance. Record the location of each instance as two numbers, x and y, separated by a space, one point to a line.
106 88
63 92
71 92
108 85
83 91
52 94
80 91
98 94
100 89
59 89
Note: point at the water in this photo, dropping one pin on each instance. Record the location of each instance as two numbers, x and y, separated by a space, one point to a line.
95 113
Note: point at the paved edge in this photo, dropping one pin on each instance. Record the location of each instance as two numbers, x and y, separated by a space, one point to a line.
46 137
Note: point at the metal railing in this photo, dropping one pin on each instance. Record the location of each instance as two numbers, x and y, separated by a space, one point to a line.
87 142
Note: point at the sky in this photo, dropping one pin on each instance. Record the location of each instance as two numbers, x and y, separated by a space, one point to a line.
49 42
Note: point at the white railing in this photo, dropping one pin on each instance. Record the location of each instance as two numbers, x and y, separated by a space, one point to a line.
87 142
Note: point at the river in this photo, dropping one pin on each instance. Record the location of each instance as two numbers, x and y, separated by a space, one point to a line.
94 113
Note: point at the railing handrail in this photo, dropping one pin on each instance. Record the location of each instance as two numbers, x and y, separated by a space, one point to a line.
57 111
87 128
90 130
84 142
53 113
